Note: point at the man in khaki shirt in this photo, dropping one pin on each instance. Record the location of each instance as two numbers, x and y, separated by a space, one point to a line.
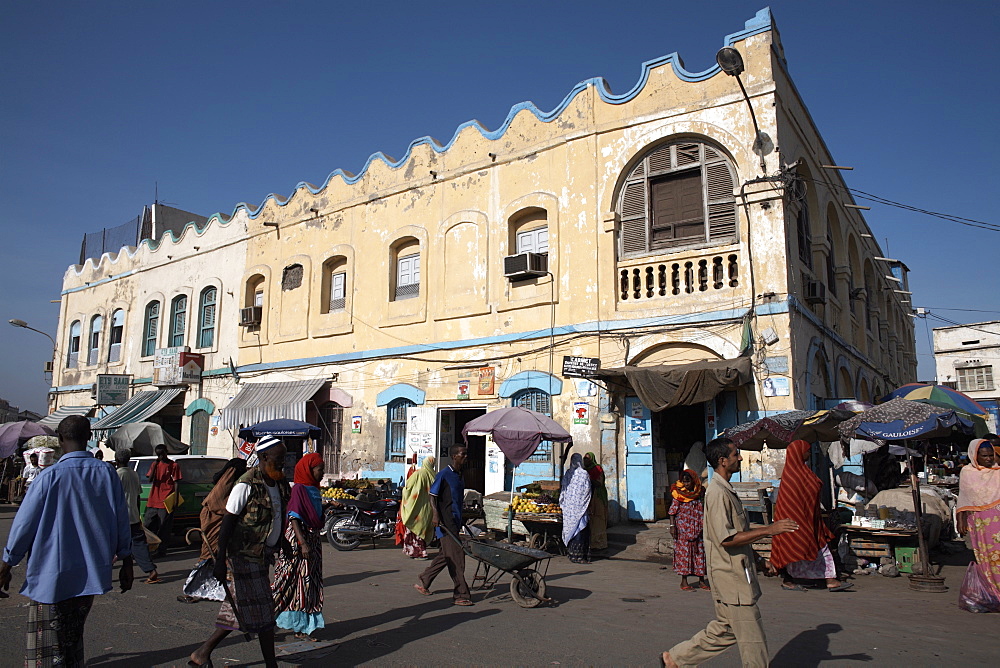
731 570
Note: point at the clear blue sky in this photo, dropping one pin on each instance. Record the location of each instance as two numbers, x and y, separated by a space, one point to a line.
224 102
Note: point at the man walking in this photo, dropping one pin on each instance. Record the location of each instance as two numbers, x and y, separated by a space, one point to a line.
731 570
132 488
74 522
252 531
447 496
164 475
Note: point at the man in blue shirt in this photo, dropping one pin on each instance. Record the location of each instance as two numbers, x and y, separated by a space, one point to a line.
447 497
74 522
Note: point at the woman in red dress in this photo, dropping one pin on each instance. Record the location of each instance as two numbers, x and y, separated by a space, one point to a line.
688 513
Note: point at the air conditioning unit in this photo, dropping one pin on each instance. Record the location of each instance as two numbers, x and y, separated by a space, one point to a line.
49 367
815 292
525 265
251 316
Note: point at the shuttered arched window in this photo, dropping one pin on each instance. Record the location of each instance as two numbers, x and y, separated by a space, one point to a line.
178 320
206 317
96 325
73 350
115 338
679 194
150 328
540 402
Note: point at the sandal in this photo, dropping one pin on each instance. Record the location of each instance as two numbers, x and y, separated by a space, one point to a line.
463 601
687 588
422 589
306 637
794 587
841 587
184 598
705 586
153 580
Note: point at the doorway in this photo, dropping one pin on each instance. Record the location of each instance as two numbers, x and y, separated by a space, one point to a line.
675 430
450 424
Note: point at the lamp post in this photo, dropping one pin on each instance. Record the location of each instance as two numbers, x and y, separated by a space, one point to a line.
731 62
15 322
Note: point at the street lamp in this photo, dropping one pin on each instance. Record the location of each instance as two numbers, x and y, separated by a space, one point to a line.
731 62
16 322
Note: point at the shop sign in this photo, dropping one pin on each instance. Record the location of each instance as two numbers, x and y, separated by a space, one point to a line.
191 366
112 389
463 388
776 386
581 412
487 380
168 357
580 367
245 449
356 424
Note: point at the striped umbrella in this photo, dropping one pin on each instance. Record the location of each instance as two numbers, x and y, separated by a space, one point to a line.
937 395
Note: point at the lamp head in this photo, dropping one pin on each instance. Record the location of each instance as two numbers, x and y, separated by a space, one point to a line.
730 61
17 322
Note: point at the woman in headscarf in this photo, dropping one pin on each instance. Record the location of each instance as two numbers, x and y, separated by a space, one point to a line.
598 510
688 513
298 581
802 553
415 511
201 585
575 500
978 510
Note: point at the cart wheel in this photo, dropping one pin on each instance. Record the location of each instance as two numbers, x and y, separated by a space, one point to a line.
537 541
526 587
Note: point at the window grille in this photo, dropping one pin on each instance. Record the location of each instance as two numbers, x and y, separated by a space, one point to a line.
332 416
540 402
291 277
396 436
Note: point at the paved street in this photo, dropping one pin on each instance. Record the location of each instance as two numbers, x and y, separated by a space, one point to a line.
614 612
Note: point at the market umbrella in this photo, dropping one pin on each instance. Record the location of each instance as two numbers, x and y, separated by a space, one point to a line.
517 431
853 405
14 434
937 395
280 427
143 437
777 431
902 420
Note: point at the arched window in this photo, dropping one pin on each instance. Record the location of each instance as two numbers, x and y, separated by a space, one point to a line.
115 336
150 328
540 402
407 263
395 438
678 194
178 320
206 316
96 324
73 349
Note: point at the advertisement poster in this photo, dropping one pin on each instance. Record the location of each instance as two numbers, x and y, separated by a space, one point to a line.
581 412
463 388
356 424
487 379
776 386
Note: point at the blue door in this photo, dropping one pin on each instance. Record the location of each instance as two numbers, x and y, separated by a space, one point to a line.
638 460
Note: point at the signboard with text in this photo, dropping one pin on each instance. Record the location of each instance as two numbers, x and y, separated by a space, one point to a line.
580 367
112 389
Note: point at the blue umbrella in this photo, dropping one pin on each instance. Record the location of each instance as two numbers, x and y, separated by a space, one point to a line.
901 419
279 427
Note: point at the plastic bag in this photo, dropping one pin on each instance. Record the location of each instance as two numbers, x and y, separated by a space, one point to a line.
976 594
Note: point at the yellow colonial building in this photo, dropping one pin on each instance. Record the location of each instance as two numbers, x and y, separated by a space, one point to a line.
714 271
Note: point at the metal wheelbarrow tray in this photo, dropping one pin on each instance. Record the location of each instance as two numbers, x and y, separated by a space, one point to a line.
527 586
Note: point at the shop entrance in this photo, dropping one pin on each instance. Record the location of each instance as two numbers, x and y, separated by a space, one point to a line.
675 430
450 424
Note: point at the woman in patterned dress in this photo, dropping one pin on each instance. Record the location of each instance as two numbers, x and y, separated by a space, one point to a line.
978 511
688 513
298 581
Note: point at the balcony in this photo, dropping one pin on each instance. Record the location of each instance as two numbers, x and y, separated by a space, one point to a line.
706 274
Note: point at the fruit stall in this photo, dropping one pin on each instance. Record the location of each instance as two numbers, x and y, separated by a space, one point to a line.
534 515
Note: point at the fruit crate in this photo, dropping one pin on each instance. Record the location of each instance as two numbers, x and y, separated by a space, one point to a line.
495 512
870 548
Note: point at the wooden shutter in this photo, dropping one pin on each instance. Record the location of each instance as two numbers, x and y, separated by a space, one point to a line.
678 209
633 218
721 203
659 160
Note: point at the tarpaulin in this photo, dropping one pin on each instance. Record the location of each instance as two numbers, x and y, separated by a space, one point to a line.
666 386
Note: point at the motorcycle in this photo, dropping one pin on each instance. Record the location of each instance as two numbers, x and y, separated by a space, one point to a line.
345 527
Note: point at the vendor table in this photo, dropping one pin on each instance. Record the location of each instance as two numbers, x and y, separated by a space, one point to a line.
898 544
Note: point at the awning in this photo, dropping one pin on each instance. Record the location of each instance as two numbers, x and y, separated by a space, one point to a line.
257 402
666 386
141 406
53 419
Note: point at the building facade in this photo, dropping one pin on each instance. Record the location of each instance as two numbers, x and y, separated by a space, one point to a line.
650 229
967 358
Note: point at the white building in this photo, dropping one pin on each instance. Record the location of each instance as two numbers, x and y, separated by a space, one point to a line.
967 358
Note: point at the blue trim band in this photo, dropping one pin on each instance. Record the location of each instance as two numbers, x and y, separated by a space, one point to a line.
400 391
531 380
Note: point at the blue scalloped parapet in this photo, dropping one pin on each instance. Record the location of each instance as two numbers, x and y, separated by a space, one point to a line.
761 22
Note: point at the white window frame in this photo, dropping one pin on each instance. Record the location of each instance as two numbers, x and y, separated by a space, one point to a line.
975 378
533 241
115 335
338 291
407 276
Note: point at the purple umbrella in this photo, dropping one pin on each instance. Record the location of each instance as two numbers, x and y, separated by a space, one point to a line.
517 431
13 434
